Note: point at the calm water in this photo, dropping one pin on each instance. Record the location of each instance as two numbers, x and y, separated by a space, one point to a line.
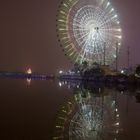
46 110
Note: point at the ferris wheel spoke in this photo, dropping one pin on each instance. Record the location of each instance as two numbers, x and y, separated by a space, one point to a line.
89 13
81 43
116 31
81 40
108 20
83 50
76 21
97 15
83 37
111 35
101 21
79 26
106 29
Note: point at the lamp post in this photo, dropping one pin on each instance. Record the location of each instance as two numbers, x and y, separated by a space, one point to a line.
104 53
116 56
128 58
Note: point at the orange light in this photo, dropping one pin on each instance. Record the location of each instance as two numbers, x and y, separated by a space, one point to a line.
29 71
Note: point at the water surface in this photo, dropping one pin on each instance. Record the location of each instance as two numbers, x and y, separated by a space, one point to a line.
45 110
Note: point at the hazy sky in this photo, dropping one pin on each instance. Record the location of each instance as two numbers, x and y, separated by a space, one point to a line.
28 34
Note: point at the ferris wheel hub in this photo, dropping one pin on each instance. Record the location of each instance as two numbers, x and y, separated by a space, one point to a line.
96 28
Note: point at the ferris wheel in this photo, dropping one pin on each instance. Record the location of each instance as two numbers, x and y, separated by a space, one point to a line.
89 30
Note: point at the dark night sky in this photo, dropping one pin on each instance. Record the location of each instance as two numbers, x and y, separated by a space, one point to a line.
28 34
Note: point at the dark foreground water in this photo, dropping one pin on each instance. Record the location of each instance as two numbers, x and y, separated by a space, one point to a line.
46 110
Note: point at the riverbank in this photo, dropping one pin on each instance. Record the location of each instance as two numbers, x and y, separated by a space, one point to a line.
116 79
25 75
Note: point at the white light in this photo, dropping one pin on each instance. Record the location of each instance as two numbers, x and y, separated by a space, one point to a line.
118 22
122 71
117 124
119 44
65 5
61 29
119 30
62 12
108 4
116 109
114 56
113 103
117 115
60 84
112 9
60 72
115 16
61 20
120 37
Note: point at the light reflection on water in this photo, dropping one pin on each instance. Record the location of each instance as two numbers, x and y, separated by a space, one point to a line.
93 113
45 110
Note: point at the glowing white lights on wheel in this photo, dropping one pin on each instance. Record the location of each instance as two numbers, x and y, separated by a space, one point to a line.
88 30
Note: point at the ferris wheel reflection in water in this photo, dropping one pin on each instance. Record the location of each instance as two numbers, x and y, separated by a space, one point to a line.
88 115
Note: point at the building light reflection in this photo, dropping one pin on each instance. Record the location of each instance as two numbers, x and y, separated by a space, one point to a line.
28 81
60 84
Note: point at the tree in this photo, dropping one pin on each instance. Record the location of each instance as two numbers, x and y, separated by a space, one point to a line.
138 70
76 67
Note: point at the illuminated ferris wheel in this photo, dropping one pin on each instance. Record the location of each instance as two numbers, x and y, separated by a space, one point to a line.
89 30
